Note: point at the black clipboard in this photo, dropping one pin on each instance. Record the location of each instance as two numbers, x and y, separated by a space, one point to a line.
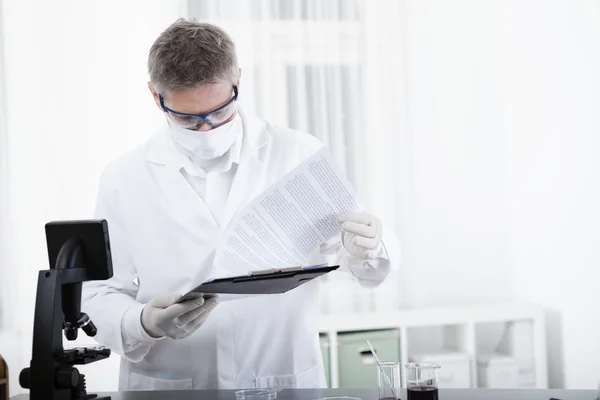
270 281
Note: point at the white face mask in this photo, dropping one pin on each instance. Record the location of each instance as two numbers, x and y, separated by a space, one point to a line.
202 146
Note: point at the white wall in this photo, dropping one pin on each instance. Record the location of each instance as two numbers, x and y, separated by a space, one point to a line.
552 87
460 231
504 100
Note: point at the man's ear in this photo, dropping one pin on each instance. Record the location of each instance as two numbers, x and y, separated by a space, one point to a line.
239 78
154 95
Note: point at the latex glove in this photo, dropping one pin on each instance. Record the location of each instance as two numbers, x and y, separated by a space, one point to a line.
361 234
162 317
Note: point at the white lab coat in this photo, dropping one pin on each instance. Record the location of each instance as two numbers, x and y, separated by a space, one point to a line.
162 233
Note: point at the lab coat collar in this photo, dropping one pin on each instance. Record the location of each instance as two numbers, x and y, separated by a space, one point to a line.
255 136
184 203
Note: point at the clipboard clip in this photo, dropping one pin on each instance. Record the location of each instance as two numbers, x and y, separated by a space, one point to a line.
275 270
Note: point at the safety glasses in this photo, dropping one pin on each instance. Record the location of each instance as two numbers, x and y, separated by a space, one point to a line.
213 118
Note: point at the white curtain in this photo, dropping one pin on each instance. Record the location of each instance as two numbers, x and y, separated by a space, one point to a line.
76 98
301 66
333 69
5 287
10 345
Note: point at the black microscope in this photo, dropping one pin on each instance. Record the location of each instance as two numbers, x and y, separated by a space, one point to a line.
78 251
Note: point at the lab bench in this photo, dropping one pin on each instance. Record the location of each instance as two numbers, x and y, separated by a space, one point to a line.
364 394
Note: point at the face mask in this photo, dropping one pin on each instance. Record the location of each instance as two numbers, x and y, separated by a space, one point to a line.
202 146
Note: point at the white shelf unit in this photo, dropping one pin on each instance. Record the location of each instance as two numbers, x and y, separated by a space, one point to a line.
464 321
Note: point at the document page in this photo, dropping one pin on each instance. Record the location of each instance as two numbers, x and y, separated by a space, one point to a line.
282 226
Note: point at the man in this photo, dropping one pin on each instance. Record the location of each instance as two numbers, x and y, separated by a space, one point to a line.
166 204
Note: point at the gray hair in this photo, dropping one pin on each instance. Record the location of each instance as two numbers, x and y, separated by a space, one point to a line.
189 54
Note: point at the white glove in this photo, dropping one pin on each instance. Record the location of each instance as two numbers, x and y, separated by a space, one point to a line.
162 317
361 234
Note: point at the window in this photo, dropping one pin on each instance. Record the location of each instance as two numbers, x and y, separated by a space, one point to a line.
305 63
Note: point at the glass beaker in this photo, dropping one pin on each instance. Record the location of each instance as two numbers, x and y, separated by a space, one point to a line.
422 381
388 380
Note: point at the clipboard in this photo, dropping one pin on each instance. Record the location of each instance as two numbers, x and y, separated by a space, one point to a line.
269 281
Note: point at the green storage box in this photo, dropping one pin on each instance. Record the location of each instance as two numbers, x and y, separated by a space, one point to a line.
324 339
356 365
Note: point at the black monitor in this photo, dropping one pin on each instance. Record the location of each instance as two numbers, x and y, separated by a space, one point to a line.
92 235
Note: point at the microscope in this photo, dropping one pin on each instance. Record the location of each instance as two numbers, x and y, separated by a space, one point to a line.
78 251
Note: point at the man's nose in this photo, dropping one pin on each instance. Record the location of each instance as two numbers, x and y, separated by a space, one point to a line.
204 127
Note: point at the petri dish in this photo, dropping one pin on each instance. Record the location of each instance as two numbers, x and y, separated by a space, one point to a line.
256 394
339 398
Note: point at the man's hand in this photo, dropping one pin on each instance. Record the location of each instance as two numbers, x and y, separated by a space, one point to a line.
162 317
361 234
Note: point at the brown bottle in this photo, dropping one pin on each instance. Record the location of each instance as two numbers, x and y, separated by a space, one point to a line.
3 379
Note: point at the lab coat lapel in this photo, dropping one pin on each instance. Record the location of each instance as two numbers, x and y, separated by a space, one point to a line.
182 202
249 180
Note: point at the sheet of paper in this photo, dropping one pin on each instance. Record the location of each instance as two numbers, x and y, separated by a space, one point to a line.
282 226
